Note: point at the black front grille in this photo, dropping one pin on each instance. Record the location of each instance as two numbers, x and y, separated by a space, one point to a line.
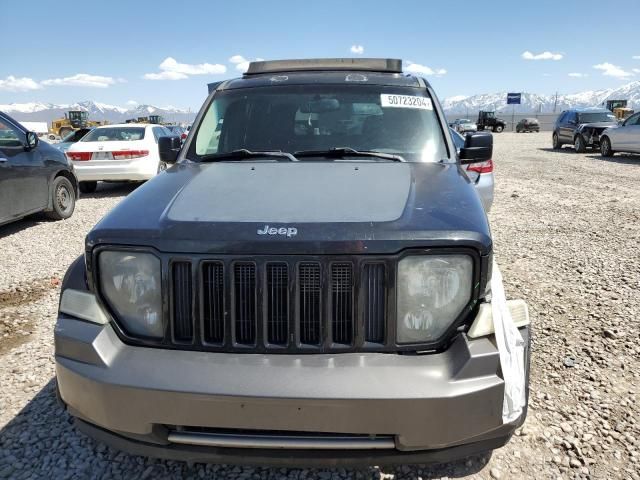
182 301
213 302
374 302
342 303
277 303
281 304
310 298
245 299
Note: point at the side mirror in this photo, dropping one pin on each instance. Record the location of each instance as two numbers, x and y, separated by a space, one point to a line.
169 147
32 141
478 147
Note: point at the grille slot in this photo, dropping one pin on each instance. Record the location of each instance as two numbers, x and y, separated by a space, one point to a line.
182 297
245 300
213 302
310 303
277 303
374 286
342 303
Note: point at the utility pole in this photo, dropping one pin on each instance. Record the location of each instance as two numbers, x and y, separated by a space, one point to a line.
555 103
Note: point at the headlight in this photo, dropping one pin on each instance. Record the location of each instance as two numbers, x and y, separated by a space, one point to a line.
432 291
131 284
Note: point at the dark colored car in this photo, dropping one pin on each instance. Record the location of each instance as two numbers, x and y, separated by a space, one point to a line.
34 176
528 125
309 284
177 130
581 127
75 136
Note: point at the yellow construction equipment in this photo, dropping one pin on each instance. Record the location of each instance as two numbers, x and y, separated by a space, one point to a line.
72 121
623 113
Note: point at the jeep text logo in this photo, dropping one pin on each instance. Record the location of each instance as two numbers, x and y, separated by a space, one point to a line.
288 231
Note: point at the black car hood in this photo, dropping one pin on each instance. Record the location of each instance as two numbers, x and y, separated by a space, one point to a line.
305 207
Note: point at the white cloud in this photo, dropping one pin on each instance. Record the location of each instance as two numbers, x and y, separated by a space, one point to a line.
243 66
578 75
171 65
611 70
541 56
15 84
357 49
636 70
165 76
423 69
133 103
237 59
546 75
82 80
636 57
171 69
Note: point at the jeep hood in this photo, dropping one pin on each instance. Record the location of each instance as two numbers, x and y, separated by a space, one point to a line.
306 207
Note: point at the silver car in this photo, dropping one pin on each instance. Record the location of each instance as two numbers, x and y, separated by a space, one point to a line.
622 138
463 125
481 174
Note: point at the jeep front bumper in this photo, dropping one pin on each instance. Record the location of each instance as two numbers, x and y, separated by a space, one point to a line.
283 409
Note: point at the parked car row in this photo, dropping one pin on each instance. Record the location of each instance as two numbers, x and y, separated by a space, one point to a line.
597 128
124 152
38 177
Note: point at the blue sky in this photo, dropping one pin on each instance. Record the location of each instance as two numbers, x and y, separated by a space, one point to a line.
164 53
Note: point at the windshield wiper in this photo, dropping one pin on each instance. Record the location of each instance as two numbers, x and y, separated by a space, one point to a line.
244 154
342 152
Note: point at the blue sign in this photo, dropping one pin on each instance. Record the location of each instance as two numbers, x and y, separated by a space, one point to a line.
513 98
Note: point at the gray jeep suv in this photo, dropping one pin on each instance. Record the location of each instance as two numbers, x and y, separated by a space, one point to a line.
309 284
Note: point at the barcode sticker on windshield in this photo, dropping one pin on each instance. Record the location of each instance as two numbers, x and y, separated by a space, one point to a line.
405 101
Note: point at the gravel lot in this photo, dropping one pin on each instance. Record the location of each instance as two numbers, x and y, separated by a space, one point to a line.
567 231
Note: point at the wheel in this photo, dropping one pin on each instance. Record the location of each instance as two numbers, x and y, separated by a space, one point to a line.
88 187
498 128
555 141
580 144
517 130
63 199
64 131
605 147
162 166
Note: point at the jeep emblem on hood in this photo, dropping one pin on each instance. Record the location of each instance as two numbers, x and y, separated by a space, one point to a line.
288 231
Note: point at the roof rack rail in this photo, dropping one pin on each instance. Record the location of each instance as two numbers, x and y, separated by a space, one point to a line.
386 65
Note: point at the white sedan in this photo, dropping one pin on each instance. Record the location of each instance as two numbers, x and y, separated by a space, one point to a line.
126 152
623 138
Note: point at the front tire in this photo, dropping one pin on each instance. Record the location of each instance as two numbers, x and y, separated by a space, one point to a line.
605 147
63 199
498 129
579 144
63 132
88 187
555 141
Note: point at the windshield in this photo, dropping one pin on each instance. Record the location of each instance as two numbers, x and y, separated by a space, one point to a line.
396 120
78 115
595 117
114 134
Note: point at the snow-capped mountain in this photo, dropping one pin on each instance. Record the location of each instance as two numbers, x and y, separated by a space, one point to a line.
533 102
46 112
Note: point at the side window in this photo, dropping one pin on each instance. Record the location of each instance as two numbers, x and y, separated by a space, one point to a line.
562 117
571 117
9 135
633 120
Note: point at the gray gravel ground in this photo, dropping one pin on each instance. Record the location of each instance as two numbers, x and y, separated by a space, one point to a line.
567 233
